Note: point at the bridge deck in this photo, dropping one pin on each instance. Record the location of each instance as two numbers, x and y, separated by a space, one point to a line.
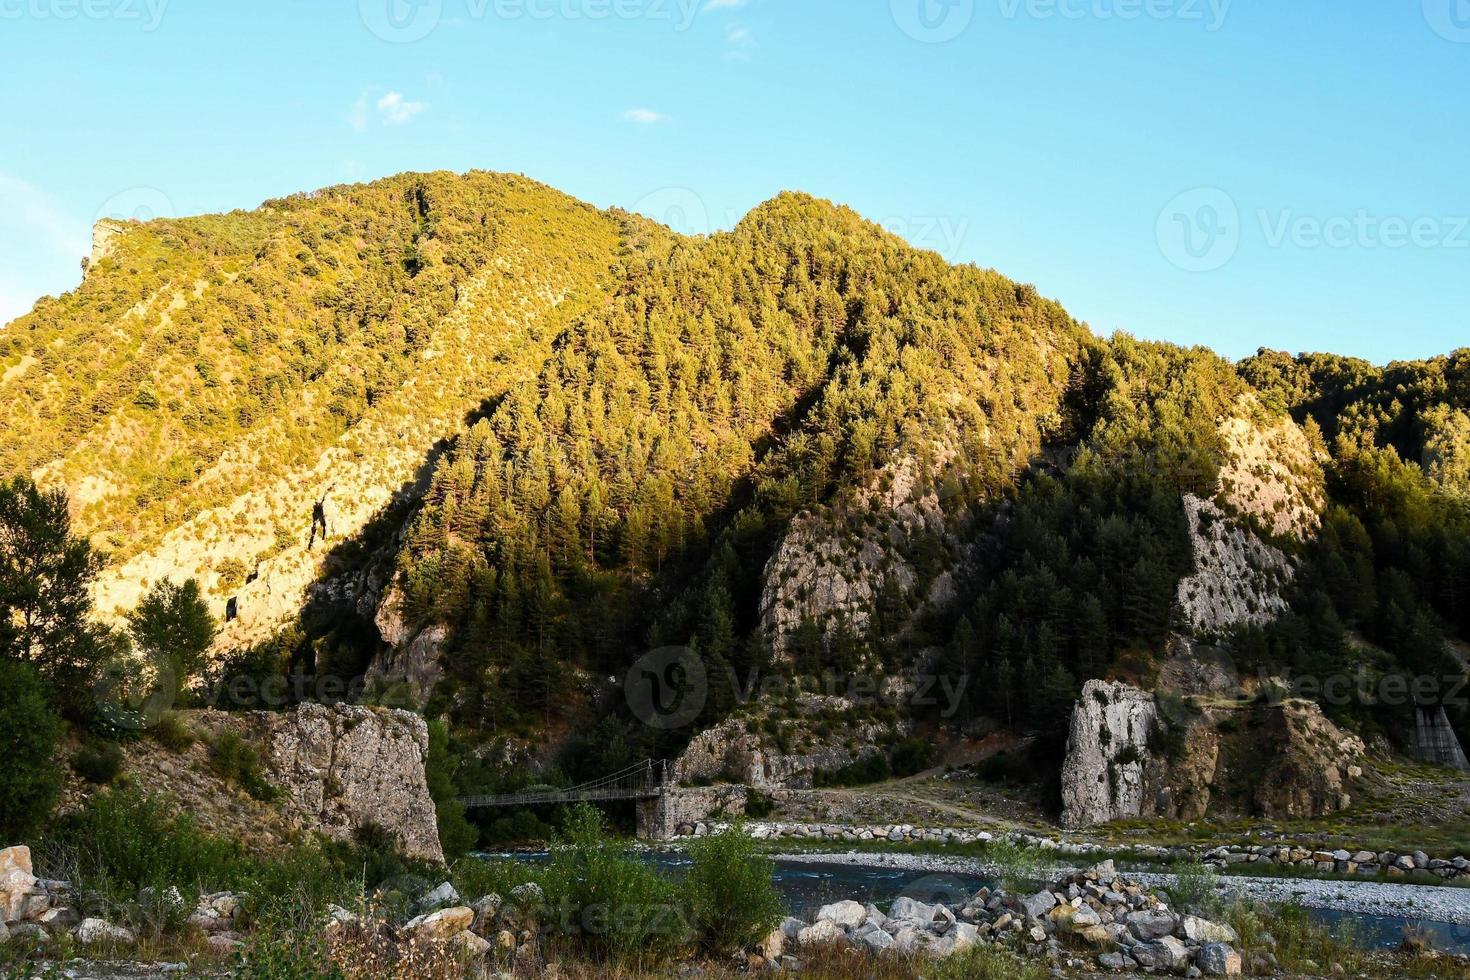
645 781
533 799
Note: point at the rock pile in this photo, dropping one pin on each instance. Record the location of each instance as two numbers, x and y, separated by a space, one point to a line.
1113 919
507 929
36 910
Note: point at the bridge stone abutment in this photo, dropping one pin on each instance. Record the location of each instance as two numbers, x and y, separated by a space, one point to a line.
662 817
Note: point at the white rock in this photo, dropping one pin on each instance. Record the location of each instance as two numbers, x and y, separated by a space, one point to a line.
101 931
823 933
847 914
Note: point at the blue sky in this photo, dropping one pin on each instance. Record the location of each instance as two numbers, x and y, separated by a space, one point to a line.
1235 173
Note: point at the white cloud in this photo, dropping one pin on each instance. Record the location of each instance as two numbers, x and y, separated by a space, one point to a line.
644 117
391 109
397 110
738 36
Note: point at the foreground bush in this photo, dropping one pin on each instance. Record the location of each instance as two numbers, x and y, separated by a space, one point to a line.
610 900
731 900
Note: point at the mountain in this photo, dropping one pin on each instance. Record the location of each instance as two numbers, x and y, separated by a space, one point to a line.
213 378
546 440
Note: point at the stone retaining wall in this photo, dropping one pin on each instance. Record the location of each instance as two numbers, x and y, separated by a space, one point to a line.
1361 862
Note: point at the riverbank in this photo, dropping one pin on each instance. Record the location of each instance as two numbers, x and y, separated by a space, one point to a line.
1438 903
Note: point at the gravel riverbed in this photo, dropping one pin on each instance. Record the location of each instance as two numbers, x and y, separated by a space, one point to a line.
1433 902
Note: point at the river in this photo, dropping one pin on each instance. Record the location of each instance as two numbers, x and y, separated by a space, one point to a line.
807 882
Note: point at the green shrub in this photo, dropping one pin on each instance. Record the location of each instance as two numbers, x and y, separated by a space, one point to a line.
1196 890
520 827
277 956
456 834
911 756
173 732
123 841
235 760
1015 866
869 769
99 762
758 805
29 781
607 898
731 900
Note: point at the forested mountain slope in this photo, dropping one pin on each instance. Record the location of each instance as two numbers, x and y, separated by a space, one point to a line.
546 439
213 378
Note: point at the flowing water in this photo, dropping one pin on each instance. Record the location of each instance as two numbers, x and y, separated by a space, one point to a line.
806 887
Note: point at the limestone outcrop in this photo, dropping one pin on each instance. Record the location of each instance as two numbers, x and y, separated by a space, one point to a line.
1270 472
1312 763
1433 740
1107 749
345 768
336 770
831 567
1238 578
1133 754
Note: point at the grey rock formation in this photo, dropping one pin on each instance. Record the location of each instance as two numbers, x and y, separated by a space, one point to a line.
1433 740
832 567
1238 578
1107 750
344 768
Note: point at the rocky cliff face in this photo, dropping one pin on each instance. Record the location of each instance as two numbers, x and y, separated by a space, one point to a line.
1133 755
337 769
731 752
1238 578
346 768
1433 740
1270 472
1107 749
832 567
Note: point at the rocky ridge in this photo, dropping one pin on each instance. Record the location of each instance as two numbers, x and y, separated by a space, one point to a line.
1127 758
334 771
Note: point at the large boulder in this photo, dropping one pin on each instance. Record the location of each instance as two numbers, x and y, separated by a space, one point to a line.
17 858
101 931
442 925
1167 954
822 933
1107 750
1219 960
1202 931
848 915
